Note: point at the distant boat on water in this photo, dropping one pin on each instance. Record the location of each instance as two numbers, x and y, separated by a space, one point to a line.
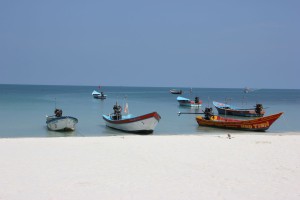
226 109
187 102
248 90
175 91
99 95
58 122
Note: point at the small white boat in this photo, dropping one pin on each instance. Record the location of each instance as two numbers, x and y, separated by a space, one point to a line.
175 91
129 123
99 95
187 102
58 122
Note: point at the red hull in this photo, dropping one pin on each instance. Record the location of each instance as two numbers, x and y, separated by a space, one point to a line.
258 124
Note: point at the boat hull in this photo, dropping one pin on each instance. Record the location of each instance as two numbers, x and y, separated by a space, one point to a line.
65 123
187 102
242 113
225 109
258 124
99 96
144 124
174 91
190 104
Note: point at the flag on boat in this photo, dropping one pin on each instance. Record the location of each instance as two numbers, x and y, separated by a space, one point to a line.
126 110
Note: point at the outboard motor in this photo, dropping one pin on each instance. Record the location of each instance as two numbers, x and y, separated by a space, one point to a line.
208 112
197 100
58 112
117 112
258 108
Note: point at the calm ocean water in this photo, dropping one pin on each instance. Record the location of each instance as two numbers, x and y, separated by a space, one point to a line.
23 108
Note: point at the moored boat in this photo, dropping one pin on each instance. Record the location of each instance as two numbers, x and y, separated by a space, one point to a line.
58 122
258 124
99 95
226 109
143 124
187 102
175 91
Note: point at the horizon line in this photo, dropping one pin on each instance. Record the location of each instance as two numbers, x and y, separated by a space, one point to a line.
172 87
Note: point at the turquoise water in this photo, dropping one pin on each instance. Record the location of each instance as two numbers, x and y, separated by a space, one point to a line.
23 108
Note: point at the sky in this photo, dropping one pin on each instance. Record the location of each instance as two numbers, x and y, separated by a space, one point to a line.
206 44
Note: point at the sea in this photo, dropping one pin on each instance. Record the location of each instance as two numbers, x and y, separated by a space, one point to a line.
23 108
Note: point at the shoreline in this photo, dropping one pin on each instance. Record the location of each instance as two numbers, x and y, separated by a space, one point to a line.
195 166
72 134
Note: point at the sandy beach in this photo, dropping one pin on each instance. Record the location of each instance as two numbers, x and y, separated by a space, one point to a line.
151 167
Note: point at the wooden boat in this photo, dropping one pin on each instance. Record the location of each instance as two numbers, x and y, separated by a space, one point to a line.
258 124
99 95
143 124
187 102
175 91
226 109
58 122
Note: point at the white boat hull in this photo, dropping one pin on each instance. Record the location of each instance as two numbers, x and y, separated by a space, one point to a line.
98 95
142 125
187 102
61 123
190 104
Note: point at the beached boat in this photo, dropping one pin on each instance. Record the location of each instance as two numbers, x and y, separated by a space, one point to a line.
226 109
187 102
58 122
258 124
143 124
175 91
99 95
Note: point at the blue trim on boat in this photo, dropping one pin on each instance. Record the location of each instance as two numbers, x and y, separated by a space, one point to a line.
227 106
182 99
124 117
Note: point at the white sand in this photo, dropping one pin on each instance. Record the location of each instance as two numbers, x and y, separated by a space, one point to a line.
151 167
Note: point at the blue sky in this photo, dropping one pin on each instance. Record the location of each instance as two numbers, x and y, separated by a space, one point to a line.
218 44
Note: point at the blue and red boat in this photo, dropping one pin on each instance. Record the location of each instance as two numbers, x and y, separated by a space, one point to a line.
226 109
